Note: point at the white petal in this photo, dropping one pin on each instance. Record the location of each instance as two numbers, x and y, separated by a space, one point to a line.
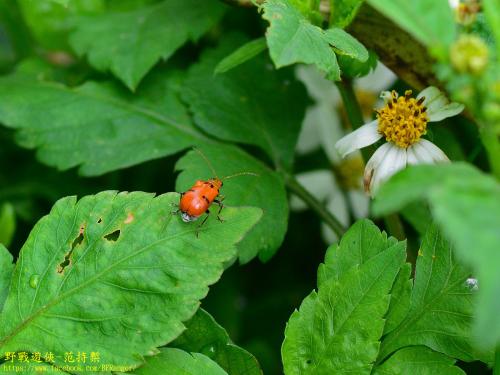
309 139
380 79
320 183
430 93
337 206
373 164
418 154
394 161
446 111
362 137
360 203
438 106
318 87
434 151
330 131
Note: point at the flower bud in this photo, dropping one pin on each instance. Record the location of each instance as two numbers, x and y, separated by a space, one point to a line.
469 54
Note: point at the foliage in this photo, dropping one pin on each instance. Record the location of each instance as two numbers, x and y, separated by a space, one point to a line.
127 104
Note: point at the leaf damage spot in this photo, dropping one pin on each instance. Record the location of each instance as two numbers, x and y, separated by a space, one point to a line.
67 258
129 219
99 221
113 236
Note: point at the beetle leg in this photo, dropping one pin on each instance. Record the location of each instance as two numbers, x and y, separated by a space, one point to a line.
221 206
199 225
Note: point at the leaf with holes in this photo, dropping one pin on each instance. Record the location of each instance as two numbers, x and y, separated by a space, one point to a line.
293 39
249 104
112 266
338 328
99 126
172 361
7 267
440 307
266 191
418 360
130 43
204 335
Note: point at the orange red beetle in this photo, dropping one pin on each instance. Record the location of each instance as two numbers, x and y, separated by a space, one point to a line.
198 199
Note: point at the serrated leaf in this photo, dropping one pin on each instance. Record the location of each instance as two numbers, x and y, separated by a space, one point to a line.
171 361
360 243
251 104
429 21
346 44
266 191
244 53
418 360
338 328
400 299
114 266
342 12
440 310
7 223
6 267
99 126
204 335
130 43
293 39
465 203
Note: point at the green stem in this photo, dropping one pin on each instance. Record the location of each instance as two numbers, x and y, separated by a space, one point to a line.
351 104
295 187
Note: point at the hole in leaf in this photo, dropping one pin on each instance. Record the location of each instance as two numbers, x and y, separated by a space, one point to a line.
99 221
113 236
309 361
67 258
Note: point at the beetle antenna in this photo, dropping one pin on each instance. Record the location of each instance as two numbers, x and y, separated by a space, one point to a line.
206 160
240 174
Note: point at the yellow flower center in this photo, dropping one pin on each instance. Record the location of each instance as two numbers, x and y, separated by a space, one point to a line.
403 120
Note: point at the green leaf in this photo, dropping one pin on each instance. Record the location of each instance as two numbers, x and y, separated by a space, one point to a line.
7 223
338 328
352 68
400 299
346 44
171 361
7 268
250 104
130 43
342 12
292 39
204 335
360 243
266 191
418 360
99 126
114 266
440 307
50 21
244 53
429 21
464 201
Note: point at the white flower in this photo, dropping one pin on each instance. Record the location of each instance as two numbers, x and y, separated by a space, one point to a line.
341 192
402 121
